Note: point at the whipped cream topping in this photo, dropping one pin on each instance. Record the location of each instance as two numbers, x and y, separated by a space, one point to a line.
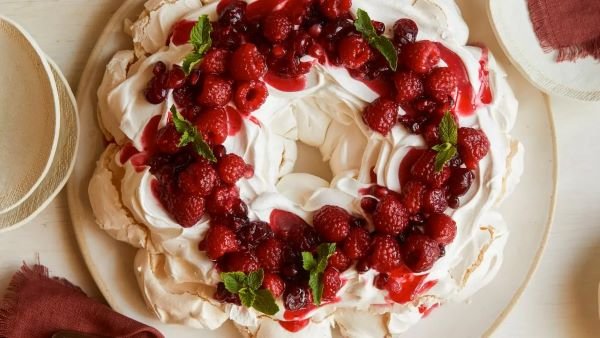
177 280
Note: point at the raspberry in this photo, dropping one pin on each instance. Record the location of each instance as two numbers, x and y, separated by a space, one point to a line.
250 95
357 244
420 252
421 56
332 223
297 297
198 179
354 51
381 115
167 139
333 9
332 283
216 92
254 234
224 296
270 255
231 168
441 228
460 181
222 200
219 240
405 31
215 61
339 260
187 210
408 86
390 217
213 125
245 262
424 170
412 196
441 84
277 27
385 254
247 63
473 145
274 284
434 201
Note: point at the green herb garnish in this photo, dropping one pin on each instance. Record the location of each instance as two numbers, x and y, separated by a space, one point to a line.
316 266
448 131
191 135
200 39
364 25
248 288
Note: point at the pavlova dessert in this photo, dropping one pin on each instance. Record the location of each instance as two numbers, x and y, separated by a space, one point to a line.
203 118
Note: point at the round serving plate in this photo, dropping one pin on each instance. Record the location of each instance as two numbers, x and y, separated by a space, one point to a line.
528 211
514 29
62 164
30 116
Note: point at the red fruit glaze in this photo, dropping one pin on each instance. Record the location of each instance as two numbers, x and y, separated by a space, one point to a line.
293 84
441 228
180 34
219 240
404 173
404 286
294 325
390 217
332 223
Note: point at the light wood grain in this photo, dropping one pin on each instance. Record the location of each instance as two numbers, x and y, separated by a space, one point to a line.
561 300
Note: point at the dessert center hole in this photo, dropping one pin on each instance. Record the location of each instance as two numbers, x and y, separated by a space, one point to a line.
311 162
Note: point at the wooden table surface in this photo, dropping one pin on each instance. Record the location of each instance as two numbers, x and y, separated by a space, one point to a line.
562 299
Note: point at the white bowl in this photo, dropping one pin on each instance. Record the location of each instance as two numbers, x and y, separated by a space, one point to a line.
29 117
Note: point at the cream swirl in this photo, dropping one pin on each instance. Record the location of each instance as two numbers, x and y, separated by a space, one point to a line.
177 280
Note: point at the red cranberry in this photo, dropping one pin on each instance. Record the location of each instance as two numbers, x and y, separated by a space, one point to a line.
224 296
296 298
334 9
254 234
184 96
159 68
233 14
379 27
381 280
460 182
176 77
155 92
405 31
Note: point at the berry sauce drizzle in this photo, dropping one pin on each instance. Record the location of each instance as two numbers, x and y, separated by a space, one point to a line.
140 159
403 286
294 325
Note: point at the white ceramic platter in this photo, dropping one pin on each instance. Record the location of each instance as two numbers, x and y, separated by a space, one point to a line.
29 115
62 164
512 26
528 212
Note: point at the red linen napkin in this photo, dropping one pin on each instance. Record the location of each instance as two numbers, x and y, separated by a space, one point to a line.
37 306
570 27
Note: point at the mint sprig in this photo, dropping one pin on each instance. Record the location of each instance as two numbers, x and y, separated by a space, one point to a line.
201 40
191 135
364 25
316 266
248 288
448 131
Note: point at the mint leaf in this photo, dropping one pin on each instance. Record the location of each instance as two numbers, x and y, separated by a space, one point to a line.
234 281
364 25
191 135
265 303
444 156
201 40
191 61
255 279
308 261
247 297
316 267
448 131
200 34
387 49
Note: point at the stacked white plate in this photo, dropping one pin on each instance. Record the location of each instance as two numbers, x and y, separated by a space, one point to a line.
39 127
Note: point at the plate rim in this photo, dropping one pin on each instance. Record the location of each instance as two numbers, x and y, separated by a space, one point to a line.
535 76
53 86
73 156
72 188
